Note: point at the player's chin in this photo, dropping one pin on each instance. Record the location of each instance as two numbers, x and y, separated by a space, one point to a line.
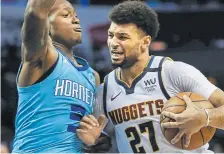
77 40
116 64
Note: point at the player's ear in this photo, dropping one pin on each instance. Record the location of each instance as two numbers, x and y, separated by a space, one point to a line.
146 41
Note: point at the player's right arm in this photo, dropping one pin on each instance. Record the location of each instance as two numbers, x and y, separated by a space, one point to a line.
37 49
186 78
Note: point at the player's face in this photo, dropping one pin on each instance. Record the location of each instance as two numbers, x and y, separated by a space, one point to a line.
64 24
124 44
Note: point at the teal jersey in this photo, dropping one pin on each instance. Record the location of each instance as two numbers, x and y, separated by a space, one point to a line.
49 112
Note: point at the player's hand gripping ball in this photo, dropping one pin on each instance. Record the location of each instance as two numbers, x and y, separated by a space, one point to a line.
177 105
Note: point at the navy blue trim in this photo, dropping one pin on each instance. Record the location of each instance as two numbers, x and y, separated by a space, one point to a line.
161 81
132 88
71 128
79 60
151 60
49 71
84 68
75 116
83 62
153 69
105 95
77 108
43 77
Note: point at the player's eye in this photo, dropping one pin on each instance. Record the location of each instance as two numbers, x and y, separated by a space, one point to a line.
65 15
122 37
110 35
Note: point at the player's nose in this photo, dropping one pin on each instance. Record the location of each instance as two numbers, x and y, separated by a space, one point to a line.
114 44
75 20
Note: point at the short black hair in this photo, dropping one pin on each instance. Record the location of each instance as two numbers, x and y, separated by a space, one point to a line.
138 13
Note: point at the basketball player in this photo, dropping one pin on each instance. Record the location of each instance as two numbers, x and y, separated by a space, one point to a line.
55 89
135 92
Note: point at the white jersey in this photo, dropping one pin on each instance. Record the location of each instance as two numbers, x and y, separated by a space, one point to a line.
135 111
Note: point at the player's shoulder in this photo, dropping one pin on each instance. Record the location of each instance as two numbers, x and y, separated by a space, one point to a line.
178 68
179 65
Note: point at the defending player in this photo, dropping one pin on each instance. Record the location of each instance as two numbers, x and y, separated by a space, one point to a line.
55 89
135 92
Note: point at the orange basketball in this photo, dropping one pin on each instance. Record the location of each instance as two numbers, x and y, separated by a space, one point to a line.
176 104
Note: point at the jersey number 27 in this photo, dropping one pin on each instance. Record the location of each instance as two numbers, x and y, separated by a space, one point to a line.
146 127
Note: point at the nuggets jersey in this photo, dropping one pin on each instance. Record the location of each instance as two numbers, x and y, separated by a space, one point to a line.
49 111
135 111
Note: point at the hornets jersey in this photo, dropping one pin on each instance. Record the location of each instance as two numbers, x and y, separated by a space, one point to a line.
135 110
49 111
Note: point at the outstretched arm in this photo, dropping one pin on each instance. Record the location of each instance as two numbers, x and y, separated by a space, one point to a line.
37 52
35 29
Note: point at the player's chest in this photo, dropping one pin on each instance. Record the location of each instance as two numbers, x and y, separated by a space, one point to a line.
146 91
122 107
137 105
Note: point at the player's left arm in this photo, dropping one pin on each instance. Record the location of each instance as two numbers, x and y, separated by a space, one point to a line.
187 78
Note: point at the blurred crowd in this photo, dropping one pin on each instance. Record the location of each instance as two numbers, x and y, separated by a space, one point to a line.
172 40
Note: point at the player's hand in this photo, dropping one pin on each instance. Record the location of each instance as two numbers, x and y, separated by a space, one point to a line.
90 129
103 144
189 121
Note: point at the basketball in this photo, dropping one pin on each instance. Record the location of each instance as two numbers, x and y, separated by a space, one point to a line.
177 105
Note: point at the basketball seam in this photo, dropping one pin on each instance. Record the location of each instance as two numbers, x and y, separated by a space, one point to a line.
202 137
179 98
190 98
173 106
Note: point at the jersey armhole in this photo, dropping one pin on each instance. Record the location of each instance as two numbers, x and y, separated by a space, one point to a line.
46 74
161 84
105 95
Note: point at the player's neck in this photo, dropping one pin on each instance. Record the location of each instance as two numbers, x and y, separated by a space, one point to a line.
129 74
66 51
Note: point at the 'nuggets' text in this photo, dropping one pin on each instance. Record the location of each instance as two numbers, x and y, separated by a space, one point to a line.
135 111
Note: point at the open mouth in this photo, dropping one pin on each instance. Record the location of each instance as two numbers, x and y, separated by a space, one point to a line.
116 55
78 30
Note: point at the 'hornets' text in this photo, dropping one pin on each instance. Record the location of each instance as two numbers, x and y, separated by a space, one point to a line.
75 90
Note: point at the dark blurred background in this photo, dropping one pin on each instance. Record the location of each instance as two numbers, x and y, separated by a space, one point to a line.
192 31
